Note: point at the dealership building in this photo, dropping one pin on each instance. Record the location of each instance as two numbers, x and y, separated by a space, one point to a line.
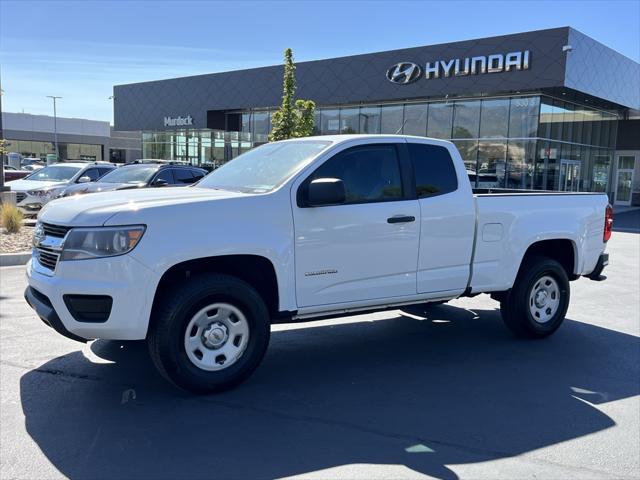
549 109
34 136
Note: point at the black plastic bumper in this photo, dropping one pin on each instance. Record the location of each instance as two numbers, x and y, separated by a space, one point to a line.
43 307
603 261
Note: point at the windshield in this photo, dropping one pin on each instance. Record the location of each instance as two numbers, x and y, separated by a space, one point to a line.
263 168
130 174
54 173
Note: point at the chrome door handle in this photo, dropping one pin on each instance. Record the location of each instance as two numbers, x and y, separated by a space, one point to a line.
401 219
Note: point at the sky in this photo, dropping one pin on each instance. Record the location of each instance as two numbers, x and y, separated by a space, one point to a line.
79 49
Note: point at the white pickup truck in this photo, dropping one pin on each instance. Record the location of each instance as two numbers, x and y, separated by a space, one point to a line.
298 230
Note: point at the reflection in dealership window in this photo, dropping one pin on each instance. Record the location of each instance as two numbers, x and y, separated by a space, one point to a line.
520 164
415 119
370 120
491 161
494 118
523 117
391 119
349 120
330 121
466 119
469 152
439 120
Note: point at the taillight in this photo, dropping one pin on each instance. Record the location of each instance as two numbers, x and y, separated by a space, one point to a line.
608 223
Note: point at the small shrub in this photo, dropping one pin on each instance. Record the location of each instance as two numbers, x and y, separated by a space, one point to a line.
10 217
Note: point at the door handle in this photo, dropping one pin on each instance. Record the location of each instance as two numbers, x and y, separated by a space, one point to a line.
401 219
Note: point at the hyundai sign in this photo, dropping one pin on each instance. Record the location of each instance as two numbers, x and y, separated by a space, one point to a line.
407 72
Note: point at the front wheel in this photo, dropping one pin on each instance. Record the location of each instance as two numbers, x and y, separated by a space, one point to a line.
209 335
538 302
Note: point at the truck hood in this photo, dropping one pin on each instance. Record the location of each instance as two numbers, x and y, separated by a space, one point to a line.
24 185
96 209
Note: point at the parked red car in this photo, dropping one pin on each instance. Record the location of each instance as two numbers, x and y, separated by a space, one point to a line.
12 173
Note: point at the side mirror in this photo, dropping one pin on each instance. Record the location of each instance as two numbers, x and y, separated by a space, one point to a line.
84 179
160 182
326 191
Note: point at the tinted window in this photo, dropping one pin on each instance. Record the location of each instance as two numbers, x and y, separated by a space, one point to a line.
165 175
92 173
434 170
369 173
104 171
197 175
183 175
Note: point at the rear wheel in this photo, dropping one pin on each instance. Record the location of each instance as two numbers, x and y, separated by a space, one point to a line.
209 335
536 305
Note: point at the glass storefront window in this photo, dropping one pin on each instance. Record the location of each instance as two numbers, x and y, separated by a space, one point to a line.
415 119
391 119
523 117
601 163
261 123
469 152
567 122
557 117
349 120
330 121
246 122
439 121
466 119
370 120
492 162
521 155
494 118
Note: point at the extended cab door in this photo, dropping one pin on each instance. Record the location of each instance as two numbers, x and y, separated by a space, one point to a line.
366 248
447 213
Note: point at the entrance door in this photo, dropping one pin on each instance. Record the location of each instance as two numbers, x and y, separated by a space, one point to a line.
624 179
569 175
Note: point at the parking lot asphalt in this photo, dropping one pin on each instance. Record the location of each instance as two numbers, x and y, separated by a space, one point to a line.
448 395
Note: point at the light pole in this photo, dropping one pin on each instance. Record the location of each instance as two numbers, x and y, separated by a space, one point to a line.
55 125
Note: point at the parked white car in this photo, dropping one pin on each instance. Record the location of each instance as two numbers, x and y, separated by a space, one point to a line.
299 230
44 184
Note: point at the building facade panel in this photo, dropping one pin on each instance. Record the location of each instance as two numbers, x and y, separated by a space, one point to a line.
520 108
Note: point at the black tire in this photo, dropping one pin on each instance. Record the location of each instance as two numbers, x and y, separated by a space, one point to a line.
515 307
166 337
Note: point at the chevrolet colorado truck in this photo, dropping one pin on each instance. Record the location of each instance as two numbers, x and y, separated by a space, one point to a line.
298 230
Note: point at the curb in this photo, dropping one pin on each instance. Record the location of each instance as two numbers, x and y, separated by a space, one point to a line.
12 259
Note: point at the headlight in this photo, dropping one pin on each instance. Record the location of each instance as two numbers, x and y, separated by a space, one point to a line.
38 193
86 243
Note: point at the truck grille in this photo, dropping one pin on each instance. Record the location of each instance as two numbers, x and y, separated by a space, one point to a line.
47 257
20 196
57 231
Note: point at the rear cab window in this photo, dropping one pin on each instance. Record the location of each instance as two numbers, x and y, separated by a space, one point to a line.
434 171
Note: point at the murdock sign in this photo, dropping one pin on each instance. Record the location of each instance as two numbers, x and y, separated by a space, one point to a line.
408 72
178 121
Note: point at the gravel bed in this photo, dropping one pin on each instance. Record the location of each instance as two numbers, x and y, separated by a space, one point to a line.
16 242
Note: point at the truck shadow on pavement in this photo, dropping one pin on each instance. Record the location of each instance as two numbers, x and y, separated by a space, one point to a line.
453 388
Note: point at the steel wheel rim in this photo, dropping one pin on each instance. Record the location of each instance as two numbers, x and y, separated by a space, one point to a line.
544 299
216 336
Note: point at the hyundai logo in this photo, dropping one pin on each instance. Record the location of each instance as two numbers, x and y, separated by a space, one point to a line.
404 72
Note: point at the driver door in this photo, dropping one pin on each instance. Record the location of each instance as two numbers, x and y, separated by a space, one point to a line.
366 248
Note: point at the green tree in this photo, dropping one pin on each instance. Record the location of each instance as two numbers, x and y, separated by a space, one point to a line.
294 118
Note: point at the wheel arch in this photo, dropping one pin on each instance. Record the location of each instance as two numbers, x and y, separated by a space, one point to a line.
563 250
256 270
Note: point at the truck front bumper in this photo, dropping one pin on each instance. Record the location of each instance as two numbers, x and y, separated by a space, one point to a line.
596 275
71 299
